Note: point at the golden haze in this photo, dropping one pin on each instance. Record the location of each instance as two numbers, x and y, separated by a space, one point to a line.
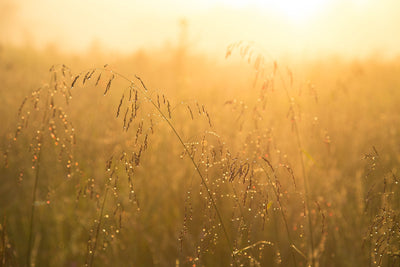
354 28
224 133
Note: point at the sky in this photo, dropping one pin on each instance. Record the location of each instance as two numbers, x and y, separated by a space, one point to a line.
355 28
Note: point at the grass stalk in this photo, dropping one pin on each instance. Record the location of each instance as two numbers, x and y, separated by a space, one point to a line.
299 146
194 164
306 191
203 181
3 243
280 207
92 250
33 203
303 169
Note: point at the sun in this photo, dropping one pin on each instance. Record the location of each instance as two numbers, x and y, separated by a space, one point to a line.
298 11
294 11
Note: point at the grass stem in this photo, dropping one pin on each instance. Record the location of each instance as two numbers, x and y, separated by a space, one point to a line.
280 207
33 203
165 118
93 249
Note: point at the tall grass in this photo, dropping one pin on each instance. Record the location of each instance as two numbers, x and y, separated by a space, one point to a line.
269 173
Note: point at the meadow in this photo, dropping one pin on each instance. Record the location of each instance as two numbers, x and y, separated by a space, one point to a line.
174 158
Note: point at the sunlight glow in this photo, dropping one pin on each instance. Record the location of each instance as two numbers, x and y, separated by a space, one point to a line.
294 11
302 27
298 11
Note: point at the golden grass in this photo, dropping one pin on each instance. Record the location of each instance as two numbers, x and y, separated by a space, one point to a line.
252 164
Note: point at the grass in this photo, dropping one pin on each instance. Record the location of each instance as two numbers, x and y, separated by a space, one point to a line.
249 163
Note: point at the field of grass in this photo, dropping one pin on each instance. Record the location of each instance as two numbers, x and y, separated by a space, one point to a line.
171 158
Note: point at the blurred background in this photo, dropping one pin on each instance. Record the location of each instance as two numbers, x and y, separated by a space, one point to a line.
356 28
